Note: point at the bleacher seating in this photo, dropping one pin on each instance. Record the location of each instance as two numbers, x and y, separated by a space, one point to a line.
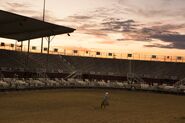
89 65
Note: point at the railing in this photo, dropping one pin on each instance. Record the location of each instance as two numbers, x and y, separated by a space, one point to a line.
96 53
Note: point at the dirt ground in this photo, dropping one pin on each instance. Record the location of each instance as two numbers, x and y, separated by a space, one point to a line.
83 106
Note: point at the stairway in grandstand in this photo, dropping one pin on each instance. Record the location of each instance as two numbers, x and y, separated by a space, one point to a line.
134 78
99 66
180 82
64 60
73 71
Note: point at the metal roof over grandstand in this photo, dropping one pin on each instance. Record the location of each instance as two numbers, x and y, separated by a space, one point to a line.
21 28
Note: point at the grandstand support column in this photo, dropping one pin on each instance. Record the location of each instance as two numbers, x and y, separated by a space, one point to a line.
28 51
48 44
48 53
41 45
21 45
28 46
15 45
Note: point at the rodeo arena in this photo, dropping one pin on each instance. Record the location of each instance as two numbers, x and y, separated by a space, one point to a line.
52 68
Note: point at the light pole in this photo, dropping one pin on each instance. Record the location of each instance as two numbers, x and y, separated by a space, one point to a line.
44 7
43 18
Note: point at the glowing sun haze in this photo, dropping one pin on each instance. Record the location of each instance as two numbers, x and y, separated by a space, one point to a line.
150 26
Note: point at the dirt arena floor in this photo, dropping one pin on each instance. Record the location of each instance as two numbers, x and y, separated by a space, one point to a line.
83 106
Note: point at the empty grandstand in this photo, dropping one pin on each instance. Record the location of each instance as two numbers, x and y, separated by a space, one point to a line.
41 70
29 70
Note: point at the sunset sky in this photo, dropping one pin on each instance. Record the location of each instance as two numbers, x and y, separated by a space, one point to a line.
149 26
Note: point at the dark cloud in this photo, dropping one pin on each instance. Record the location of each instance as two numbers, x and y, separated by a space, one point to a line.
97 33
166 29
135 38
171 37
121 39
80 17
81 21
163 33
118 25
177 40
157 45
